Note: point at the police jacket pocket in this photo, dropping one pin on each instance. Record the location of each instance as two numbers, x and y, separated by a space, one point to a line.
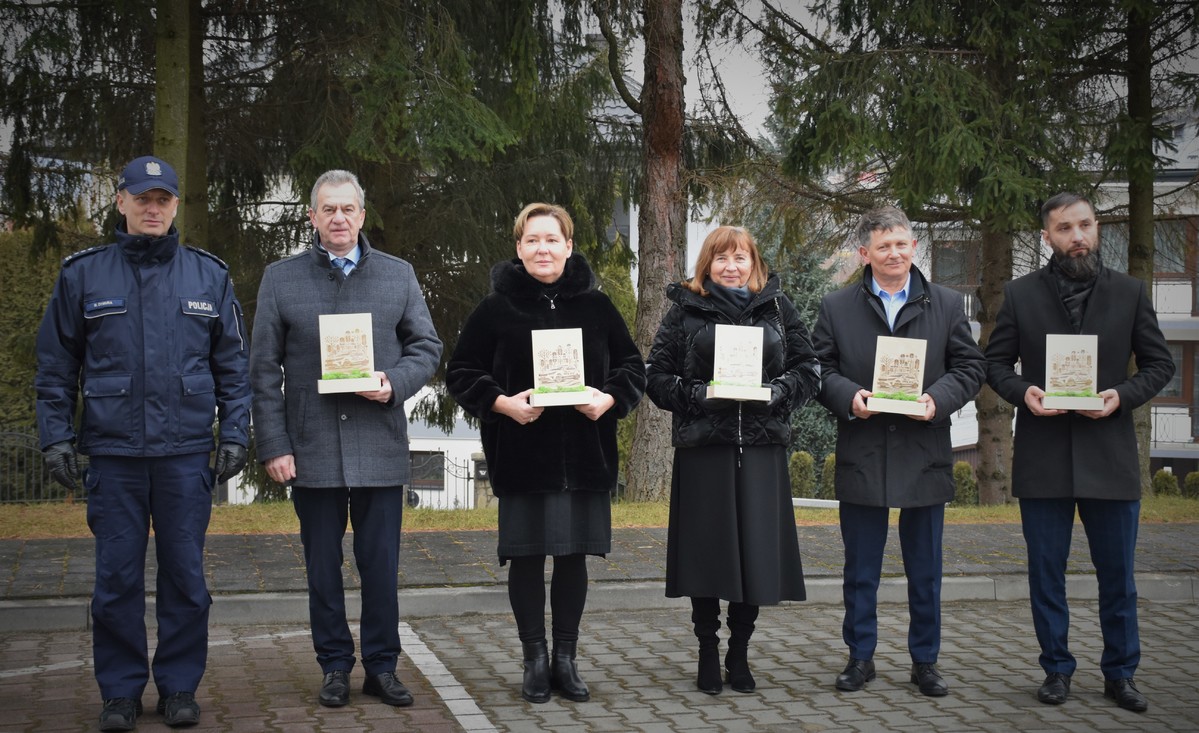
107 405
198 406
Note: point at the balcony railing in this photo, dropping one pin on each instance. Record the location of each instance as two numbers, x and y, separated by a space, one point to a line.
1174 426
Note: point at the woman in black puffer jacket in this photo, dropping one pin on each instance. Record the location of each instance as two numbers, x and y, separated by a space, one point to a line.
732 530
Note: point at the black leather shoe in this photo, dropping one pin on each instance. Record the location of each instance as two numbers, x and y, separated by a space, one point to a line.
857 673
120 713
1055 689
335 689
929 680
387 688
179 710
1126 694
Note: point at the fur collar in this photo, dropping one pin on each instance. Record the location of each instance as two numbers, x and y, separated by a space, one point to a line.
510 278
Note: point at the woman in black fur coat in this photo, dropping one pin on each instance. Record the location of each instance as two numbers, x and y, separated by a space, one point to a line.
732 530
554 468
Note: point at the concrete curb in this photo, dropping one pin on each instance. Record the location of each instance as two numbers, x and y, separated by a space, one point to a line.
238 609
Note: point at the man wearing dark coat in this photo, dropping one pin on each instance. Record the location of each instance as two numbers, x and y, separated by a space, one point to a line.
887 460
1087 459
345 455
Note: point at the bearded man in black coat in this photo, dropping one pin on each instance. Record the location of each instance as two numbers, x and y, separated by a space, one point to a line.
1084 459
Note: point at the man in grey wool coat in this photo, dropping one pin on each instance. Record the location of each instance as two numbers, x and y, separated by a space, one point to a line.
345 455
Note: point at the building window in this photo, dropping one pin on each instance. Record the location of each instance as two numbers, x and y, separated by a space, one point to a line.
1170 251
1174 392
956 263
428 470
1182 391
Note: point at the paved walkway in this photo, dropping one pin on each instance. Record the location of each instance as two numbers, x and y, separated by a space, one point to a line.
462 658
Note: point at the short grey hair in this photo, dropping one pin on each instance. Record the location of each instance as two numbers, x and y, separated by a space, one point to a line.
880 220
337 177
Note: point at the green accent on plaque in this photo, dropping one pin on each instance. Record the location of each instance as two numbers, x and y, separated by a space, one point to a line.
552 390
1082 393
715 383
355 374
896 396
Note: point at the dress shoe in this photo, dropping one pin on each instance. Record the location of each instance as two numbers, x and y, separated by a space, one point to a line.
335 689
1055 689
857 673
929 680
564 673
387 688
179 710
120 713
1126 694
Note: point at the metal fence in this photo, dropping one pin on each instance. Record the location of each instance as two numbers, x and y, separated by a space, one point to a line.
440 482
23 475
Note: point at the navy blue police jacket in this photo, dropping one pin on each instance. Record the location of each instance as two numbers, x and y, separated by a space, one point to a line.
151 335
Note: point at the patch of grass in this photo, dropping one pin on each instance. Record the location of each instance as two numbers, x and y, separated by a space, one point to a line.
55 521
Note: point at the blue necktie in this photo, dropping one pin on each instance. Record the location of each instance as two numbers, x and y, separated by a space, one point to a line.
343 263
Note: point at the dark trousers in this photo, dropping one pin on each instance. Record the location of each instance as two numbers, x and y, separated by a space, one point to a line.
864 532
375 515
1111 528
124 495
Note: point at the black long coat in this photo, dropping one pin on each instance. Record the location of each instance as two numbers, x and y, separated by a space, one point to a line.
732 531
564 450
1073 455
892 460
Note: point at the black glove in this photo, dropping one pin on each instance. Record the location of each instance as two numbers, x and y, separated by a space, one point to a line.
778 395
707 406
230 460
63 463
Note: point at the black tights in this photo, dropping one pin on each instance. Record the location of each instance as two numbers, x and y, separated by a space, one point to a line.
568 595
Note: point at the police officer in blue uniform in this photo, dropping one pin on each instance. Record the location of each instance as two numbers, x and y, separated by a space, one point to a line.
151 335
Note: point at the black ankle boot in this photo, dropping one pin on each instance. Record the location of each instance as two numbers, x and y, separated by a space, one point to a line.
736 663
705 616
564 674
536 685
708 677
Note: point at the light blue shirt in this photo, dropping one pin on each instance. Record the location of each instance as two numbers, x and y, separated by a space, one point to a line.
892 302
351 259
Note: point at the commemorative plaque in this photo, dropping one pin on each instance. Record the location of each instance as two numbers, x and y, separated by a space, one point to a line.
898 376
1071 369
737 367
347 354
558 368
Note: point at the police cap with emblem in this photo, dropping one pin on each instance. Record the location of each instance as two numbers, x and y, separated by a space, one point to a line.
148 172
